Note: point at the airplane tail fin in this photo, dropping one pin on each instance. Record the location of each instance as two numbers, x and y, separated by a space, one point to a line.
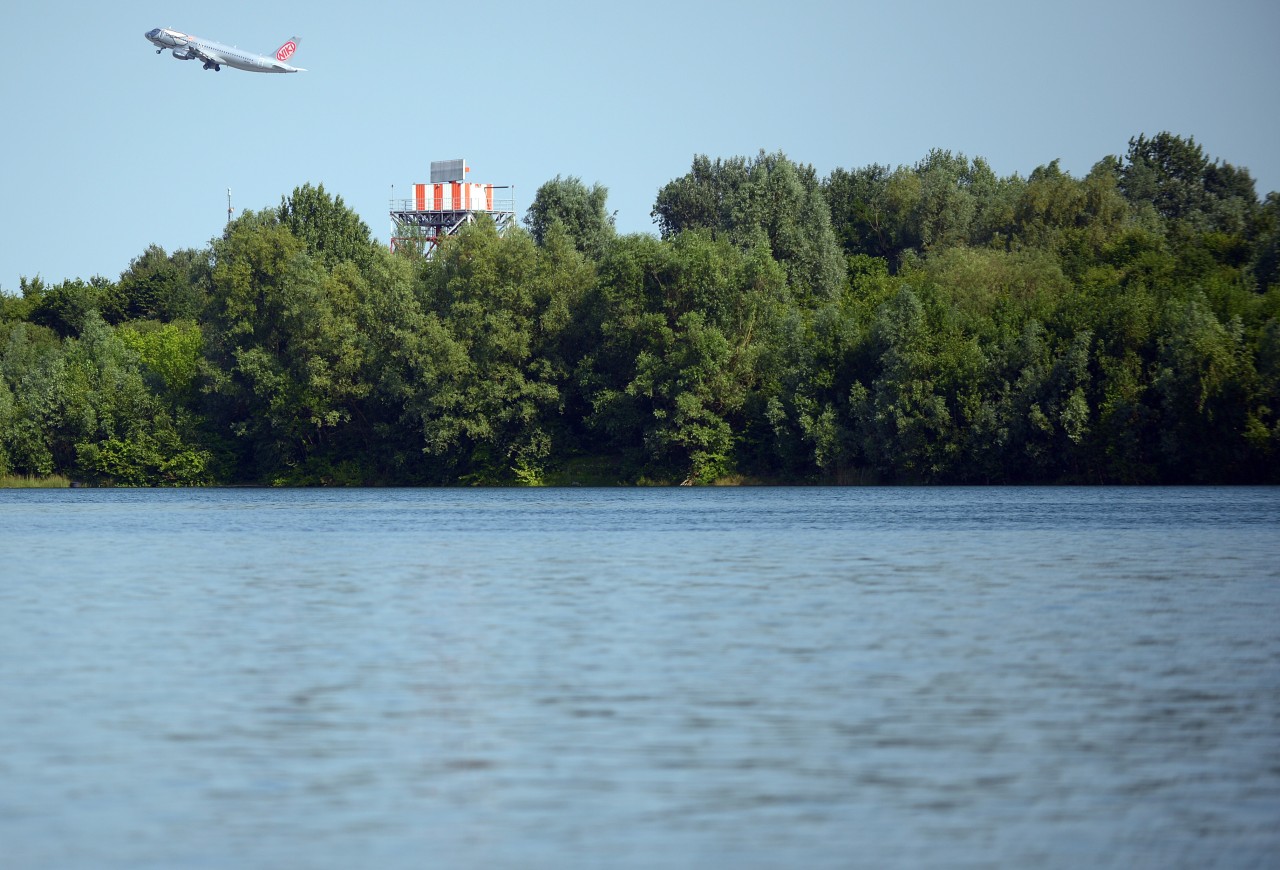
284 52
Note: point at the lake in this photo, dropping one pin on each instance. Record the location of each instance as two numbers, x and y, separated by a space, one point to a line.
581 678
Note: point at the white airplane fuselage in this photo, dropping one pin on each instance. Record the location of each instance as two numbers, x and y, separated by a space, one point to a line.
214 55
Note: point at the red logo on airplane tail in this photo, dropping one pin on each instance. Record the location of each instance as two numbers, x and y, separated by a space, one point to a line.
286 51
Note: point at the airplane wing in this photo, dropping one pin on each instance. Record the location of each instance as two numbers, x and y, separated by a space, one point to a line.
196 53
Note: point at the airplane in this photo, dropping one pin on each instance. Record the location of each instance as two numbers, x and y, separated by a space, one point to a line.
215 54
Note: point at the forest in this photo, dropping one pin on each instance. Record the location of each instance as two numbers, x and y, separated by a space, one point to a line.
925 324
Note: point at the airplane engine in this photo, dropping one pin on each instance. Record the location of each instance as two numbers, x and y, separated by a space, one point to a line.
182 54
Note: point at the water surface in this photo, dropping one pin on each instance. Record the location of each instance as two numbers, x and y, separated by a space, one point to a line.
638 678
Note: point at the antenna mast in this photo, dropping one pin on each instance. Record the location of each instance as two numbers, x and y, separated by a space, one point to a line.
228 205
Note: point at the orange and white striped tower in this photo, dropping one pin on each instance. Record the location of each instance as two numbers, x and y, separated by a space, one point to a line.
439 208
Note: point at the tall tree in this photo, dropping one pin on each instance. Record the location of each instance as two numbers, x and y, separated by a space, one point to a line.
157 286
331 231
1266 257
767 199
478 387
1175 177
579 209
285 354
669 378
64 307
1166 172
1205 384
32 366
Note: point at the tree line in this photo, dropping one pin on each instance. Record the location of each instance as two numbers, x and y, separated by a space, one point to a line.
933 323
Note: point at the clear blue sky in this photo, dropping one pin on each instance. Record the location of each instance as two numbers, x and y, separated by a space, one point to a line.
108 148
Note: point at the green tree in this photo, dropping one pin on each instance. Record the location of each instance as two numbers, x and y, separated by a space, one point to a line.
906 430
1266 257
157 286
1204 384
64 307
1174 176
285 356
807 364
579 209
19 308
7 420
945 212
331 231
1050 206
930 323
943 201
705 198
860 216
1166 172
393 320
1046 412
169 352
670 377
991 292
477 385
768 199
106 426
32 367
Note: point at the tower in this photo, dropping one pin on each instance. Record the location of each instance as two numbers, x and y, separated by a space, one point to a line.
439 208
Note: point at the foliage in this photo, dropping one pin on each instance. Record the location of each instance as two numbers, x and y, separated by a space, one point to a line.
65 306
169 353
578 209
330 231
481 392
767 199
284 364
932 323
157 286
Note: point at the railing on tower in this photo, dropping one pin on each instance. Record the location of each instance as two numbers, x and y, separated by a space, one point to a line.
440 208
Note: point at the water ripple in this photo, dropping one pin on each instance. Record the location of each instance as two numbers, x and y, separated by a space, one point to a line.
748 678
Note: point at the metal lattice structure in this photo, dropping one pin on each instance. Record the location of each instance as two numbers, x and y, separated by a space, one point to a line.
440 208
